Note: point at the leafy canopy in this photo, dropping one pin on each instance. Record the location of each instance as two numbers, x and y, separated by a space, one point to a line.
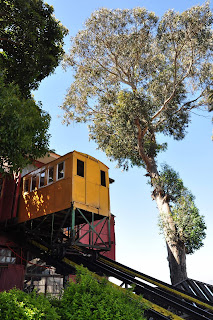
31 41
136 79
23 129
137 76
189 224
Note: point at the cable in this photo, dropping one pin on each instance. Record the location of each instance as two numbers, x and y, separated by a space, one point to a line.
38 265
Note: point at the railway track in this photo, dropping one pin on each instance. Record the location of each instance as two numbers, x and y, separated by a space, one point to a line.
163 300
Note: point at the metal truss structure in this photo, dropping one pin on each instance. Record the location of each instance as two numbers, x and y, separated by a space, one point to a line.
62 230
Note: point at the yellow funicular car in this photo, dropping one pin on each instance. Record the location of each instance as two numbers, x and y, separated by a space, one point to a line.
60 198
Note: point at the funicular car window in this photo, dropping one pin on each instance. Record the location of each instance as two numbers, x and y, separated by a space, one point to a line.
60 172
80 168
33 182
103 178
42 179
50 174
26 185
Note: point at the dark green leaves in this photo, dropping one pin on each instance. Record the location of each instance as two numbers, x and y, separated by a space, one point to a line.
23 129
190 225
114 126
97 300
18 305
87 299
31 40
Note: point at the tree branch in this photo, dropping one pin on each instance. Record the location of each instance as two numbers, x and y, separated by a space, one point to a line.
181 108
150 163
173 93
118 67
189 102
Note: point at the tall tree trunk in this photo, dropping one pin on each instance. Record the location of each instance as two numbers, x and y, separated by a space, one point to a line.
175 248
177 264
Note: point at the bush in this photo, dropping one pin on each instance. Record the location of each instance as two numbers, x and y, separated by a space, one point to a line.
91 299
18 305
88 298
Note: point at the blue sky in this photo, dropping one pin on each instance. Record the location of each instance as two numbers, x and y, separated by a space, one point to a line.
139 244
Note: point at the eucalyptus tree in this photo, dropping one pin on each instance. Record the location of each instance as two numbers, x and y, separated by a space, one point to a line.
137 77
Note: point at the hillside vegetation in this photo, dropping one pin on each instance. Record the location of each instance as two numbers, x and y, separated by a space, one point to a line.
88 298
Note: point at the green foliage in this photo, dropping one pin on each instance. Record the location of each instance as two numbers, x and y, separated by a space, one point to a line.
86 299
31 41
23 128
137 77
17 305
117 130
190 225
96 300
170 182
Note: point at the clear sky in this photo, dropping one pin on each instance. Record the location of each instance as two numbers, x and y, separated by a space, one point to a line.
139 244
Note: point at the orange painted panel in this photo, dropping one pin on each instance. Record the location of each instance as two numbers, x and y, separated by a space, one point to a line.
104 201
49 198
79 182
92 194
92 170
82 187
62 194
36 204
104 193
92 182
79 185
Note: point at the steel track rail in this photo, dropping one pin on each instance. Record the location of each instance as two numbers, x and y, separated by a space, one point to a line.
154 311
160 284
156 299
159 297
198 308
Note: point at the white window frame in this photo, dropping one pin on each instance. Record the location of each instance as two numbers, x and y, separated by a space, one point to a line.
31 182
48 174
43 171
57 178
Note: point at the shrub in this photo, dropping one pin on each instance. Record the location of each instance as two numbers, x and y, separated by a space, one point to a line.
18 305
88 298
91 299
